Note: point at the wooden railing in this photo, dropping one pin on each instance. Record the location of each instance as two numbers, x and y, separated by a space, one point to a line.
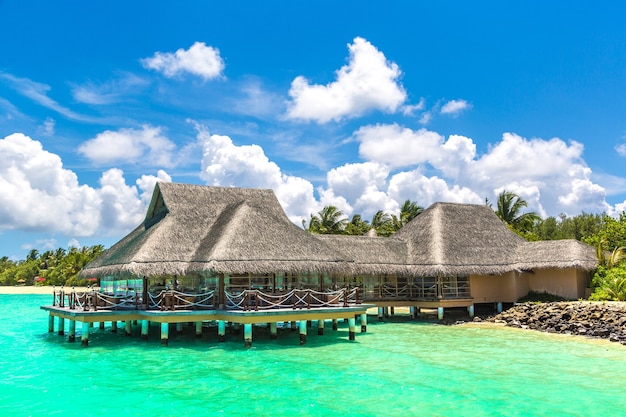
294 299
417 292
176 300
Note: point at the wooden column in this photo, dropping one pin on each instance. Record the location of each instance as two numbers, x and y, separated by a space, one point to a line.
84 337
302 326
145 328
273 330
470 310
363 322
61 326
499 307
198 329
165 333
320 327
72 335
128 327
440 313
179 327
50 323
247 335
221 331
101 325
334 324
293 326
114 326
380 313
351 328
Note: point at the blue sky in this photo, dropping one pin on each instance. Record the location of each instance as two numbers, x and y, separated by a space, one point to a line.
361 105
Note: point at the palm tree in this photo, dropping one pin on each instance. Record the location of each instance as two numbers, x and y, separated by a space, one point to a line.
329 220
509 210
357 226
408 212
383 223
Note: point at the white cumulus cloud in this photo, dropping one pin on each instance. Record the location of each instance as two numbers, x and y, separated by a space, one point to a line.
38 194
368 82
455 107
144 146
200 60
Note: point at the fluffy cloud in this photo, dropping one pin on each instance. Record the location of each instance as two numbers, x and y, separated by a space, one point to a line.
145 146
621 149
225 164
38 194
455 107
200 59
368 82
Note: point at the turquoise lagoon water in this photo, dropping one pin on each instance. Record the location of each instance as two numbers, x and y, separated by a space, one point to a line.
397 368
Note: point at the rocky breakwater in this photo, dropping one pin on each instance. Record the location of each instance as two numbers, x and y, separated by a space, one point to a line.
605 320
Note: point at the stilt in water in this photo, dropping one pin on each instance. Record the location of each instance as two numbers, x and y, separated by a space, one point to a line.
470 310
412 312
145 326
72 335
61 326
334 324
302 332
179 327
84 337
273 330
393 311
440 313
247 335
165 333
114 326
101 325
198 329
50 323
221 331
128 327
351 328
499 307
363 322
320 327
380 313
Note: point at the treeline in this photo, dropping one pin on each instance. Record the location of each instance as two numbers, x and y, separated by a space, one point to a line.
58 267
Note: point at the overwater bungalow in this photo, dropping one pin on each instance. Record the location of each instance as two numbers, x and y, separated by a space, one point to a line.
231 255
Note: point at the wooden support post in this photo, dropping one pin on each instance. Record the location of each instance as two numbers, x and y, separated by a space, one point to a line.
273 330
198 329
380 314
440 313
320 327
470 310
61 326
499 307
302 332
221 331
386 312
114 326
293 326
393 311
101 325
165 333
363 322
351 328
128 327
145 328
50 323
247 335
72 335
335 324
179 327
84 337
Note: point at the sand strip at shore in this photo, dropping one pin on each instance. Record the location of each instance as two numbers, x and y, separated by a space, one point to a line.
22 289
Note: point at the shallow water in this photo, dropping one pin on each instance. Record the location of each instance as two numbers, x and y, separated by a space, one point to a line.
397 368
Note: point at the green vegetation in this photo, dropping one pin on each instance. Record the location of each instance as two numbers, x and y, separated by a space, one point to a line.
59 267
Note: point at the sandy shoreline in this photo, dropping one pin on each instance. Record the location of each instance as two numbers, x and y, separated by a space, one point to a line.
35 290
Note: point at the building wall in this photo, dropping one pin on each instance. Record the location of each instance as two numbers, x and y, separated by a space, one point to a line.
568 283
505 288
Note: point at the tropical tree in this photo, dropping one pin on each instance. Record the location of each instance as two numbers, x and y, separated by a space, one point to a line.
509 210
383 223
330 220
357 226
409 211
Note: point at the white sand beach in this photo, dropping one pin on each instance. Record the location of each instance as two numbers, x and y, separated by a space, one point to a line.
22 289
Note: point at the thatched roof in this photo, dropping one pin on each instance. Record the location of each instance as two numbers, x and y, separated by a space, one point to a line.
231 230
235 230
459 239
555 254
